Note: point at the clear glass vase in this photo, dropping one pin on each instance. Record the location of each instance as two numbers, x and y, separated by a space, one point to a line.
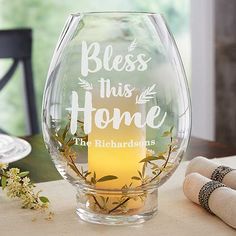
116 113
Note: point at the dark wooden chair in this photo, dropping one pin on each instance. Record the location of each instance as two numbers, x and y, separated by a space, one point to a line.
17 45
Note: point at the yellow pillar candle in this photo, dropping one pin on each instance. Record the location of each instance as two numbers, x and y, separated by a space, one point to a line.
117 151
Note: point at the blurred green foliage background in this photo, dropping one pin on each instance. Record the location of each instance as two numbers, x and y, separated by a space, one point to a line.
46 18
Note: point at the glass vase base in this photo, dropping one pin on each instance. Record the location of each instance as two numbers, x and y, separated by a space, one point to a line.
115 208
114 220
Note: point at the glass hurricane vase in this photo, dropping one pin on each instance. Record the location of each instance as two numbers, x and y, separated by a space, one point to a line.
116 113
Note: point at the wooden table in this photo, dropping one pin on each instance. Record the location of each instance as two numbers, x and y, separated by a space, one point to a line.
42 169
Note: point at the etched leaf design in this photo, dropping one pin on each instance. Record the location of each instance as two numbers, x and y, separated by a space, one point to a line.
85 84
146 95
132 46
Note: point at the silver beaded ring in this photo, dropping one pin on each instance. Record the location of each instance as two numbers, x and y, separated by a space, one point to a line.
220 172
205 193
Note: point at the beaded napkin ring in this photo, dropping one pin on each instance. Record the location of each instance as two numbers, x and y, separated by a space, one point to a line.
220 172
206 191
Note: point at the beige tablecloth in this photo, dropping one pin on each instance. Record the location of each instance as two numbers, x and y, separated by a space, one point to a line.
177 216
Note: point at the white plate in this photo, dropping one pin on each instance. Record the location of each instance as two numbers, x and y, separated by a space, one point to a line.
13 149
6 143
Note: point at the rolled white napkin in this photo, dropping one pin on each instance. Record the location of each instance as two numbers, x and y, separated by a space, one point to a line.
206 167
222 201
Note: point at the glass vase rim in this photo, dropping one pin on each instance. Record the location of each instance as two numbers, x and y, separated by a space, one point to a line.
144 13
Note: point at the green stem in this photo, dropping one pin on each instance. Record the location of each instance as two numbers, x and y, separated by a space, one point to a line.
96 201
165 164
119 205
78 171
79 121
1 174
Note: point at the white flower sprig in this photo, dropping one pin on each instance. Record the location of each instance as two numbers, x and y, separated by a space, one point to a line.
18 185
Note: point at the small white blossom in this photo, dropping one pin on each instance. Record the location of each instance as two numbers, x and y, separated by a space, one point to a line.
13 173
3 166
26 181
